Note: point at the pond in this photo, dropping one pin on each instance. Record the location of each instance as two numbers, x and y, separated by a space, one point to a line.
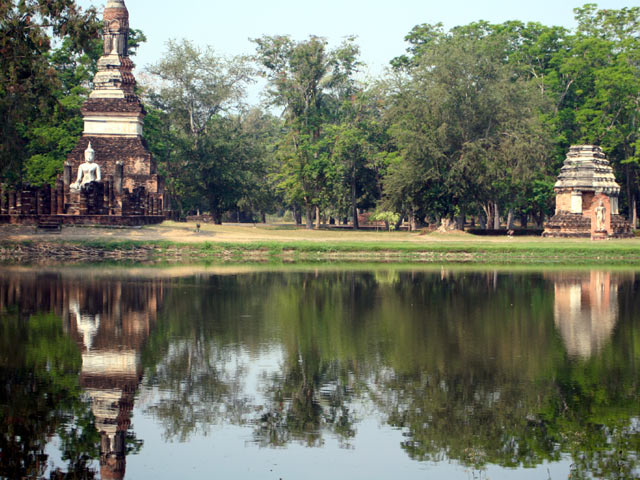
288 373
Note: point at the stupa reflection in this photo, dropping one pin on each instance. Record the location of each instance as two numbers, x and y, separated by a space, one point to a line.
110 325
586 309
109 319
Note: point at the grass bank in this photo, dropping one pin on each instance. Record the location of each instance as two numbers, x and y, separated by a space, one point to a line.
429 249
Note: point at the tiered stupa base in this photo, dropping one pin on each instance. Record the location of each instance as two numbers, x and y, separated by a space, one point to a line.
576 225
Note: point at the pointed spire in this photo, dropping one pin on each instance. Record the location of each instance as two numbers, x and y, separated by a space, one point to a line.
114 78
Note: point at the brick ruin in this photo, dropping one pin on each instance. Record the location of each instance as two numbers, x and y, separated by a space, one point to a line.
129 191
587 188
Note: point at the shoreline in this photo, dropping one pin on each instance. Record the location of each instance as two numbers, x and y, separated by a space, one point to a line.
50 252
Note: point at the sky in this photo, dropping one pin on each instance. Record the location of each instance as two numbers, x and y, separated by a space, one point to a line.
380 26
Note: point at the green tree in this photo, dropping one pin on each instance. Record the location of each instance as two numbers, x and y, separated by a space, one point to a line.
308 81
467 124
31 88
605 100
356 145
197 126
260 194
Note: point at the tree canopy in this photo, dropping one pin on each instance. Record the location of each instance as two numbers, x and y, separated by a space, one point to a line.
471 122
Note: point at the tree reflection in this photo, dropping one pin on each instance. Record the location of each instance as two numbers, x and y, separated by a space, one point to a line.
296 311
477 408
41 396
511 369
72 371
470 366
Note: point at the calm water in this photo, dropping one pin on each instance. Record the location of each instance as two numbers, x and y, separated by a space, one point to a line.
386 373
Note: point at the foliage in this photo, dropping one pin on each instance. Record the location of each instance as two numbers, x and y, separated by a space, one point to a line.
389 218
466 122
208 148
37 120
309 82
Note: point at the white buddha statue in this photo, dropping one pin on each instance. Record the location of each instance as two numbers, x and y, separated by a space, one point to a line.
88 171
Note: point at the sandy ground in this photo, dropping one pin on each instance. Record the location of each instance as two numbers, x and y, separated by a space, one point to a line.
186 232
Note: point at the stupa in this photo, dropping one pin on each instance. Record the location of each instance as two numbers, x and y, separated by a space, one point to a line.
587 198
122 186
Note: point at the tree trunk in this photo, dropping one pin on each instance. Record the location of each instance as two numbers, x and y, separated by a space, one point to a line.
263 217
482 221
460 220
496 216
297 215
354 208
318 217
309 215
510 220
217 217
633 212
523 220
488 212
628 188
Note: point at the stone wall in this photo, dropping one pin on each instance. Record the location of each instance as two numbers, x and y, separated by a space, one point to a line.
28 201
576 225
125 221
103 203
563 202
568 225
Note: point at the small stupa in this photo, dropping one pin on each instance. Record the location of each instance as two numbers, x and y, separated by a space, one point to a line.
587 198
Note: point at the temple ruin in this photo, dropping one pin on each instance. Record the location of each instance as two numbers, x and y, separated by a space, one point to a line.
126 189
587 198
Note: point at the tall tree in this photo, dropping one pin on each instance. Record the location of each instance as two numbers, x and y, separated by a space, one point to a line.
467 123
307 80
605 61
197 96
356 144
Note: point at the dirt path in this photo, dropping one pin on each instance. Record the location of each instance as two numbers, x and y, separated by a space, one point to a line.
186 232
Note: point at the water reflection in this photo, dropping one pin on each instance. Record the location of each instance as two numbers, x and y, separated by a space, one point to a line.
110 326
109 323
586 309
473 367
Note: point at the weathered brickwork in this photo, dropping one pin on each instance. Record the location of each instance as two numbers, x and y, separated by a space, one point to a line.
563 202
139 166
585 182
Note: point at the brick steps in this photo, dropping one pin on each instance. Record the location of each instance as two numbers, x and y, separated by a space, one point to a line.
49 224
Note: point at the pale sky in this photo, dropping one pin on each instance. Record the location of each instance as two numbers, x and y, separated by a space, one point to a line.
379 25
